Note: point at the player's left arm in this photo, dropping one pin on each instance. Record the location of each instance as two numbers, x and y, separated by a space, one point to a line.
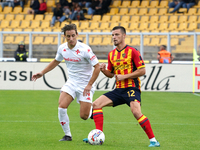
92 80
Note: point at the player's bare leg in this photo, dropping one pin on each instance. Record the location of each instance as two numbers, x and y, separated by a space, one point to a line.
144 123
64 100
85 110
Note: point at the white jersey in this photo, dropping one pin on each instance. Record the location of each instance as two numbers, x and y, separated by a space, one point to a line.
79 60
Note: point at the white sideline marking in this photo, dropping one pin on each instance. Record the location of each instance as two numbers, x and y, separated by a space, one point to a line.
4 121
196 94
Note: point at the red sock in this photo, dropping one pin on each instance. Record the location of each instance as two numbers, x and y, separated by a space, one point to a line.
145 124
98 118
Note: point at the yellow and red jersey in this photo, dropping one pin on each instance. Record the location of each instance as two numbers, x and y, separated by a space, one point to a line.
123 62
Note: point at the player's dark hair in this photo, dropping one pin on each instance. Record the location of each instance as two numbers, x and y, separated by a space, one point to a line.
123 30
69 27
164 46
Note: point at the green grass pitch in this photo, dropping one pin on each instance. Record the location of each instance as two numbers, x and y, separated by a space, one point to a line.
28 121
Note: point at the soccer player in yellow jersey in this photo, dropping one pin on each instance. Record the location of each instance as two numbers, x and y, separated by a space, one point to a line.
126 65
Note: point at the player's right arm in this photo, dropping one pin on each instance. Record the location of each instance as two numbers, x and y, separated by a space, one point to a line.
107 73
50 66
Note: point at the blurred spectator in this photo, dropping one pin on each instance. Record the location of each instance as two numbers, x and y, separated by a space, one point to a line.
164 56
43 7
35 5
64 3
21 54
85 3
17 3
91 9
57 15
188 4
77 14
7 3
102 7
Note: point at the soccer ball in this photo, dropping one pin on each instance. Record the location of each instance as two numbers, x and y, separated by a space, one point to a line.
96 137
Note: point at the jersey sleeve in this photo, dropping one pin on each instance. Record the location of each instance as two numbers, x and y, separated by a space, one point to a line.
91 57
110 66
137 59
59 56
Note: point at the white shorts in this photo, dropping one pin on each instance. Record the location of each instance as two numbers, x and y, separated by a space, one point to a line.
77 92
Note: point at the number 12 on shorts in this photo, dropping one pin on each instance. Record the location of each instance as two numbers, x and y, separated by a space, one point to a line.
131 93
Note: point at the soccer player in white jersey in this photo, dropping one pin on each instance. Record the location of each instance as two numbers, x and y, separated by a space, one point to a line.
80 61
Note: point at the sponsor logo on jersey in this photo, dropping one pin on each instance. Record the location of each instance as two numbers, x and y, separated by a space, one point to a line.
64 50
74 59
77 51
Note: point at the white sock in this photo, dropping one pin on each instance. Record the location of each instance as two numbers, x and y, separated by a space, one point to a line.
153 140
90 114
64 120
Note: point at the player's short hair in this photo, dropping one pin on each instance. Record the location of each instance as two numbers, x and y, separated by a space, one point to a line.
164 46
69 27
123 30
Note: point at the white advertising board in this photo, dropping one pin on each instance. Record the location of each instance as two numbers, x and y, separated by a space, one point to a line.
158 77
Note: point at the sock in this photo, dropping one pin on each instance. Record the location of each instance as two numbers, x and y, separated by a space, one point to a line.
145 124
98 118
64 120
90 115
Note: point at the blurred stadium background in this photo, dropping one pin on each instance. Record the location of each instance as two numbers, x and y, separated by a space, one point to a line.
147 16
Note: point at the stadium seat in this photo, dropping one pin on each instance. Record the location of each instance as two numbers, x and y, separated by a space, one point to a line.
37 30
5 23
192 11
10 17
174 42
2 17
183 10
35 24
153 26
50 3
115 18
135 4
26 39
104 25
7 30
125 24
76 23
7 10
162 11
146 41
48 40
19 17
173 26
133 26
24 24
116 3
153 11
128 40
136 41
113 24
163 19
17 10
18 39
84 25
38 40
144 4
94 25
144 19
107 41
39 17
47 30
192 19
45 24
163 41
14 24
29 17
48 17
182 19
192 26
25 11
96 41
96 18
173 19
154 4
153 19
154 42
8 40
125 18
106 18
17 30
123 11
163 4
125 4
113 11
135 19
143 26
143 11
1 9
163 26
133 11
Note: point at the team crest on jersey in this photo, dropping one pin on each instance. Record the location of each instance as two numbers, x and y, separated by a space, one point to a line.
88 50
64 50
77 51
123 55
